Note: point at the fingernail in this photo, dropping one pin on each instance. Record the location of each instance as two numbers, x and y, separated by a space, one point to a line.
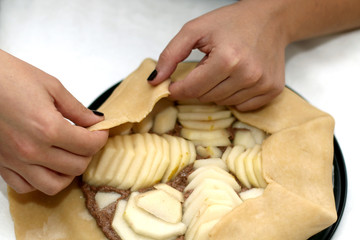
152 75
98 113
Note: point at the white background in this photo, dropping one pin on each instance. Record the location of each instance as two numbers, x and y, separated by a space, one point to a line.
91 44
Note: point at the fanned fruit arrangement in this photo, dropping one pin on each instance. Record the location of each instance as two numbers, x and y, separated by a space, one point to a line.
175 174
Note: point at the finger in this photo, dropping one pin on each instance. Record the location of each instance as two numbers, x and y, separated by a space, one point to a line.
78 140
15 181
45 180
70 107
203 78
178 49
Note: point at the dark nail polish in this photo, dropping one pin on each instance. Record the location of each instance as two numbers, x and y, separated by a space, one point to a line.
98 113
152 75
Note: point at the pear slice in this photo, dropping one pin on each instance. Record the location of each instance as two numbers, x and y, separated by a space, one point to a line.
202 233
208 152
165 120
192 151
165 160
104 199
175 157
249 167
225 155
201 116
117 160
207 124
258 170
258 134
206 214
193 134
121 227
200 108
145 125
240 171
161 205
148 225
122 129
88 175
171 191
105 162
219 142
251 193
186 154
139 148
207 197
244 138
235 152
156 161
144 172
218 162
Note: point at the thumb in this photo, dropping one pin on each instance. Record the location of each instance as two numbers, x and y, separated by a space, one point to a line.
178 49
72 109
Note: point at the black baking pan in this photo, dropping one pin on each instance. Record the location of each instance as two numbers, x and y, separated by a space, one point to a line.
339 175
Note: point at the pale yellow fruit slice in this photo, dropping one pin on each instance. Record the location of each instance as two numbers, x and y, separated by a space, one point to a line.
219 142
105 161
145 125
161 205
193 134
202 233
176 156
244 138
165 160
88 175
147 224
208 152
251 193
104 199
122 129
200 108
233 155
249 167
121 227
257 163
217 162
258 134
206 214
165 120
144 172
186 154
200 116
207 124
226 153
240 171
117 160
156 161
171 191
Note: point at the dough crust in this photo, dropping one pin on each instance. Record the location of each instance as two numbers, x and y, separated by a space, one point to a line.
297 164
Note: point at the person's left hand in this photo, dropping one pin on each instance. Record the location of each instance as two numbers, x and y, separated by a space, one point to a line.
244 62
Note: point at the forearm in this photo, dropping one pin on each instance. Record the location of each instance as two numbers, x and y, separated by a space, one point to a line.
303 19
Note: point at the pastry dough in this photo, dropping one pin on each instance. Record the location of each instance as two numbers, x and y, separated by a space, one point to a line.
297 164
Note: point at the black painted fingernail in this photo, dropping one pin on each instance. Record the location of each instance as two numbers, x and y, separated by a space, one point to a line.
152 75
98 113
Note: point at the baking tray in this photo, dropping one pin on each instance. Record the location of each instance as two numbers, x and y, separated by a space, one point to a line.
339 175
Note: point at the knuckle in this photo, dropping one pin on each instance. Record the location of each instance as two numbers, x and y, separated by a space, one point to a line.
55 186
27 151
81 167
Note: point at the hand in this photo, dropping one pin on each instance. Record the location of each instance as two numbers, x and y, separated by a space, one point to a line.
39 148
243 66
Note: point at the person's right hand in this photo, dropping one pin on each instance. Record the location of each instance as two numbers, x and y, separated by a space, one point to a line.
39 148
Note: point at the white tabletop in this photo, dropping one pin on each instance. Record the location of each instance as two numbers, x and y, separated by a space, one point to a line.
91 44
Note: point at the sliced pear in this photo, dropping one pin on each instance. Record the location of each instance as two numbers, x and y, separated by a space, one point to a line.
159 154
165 160
251 193
249 168
193 134
219 142
161 205
240 171
104 199
235 152
145 125
192 152
208 152
148 225
121 129
165 120
171 191
207 124
201 116
225 155
121 227
88 175
202 233
186 154
141 181
116 162
123 142
258 134
218 162
258 170
244 138
206 214
200 108
139 148
105 162
175 157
